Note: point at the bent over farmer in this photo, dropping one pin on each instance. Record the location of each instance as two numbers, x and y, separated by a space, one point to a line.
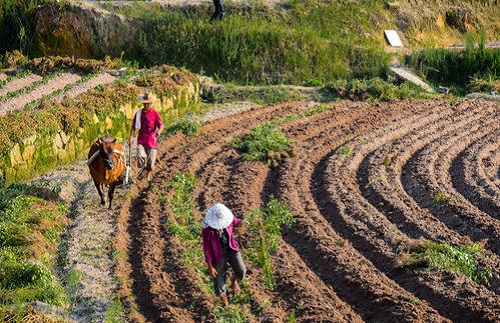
221 249
148 123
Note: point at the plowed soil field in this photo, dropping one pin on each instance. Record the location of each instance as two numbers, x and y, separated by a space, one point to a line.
354 213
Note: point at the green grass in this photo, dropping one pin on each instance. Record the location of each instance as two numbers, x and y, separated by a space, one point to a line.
251 45
29 232
464 259
259 95
475 67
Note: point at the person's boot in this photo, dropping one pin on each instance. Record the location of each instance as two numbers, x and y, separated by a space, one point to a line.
224 300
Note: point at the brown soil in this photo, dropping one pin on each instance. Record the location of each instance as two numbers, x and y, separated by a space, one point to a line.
340 261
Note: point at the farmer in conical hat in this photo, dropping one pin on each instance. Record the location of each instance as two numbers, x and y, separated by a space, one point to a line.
148 123
221 249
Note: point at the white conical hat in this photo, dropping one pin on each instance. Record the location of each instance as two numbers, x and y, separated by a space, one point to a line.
219 216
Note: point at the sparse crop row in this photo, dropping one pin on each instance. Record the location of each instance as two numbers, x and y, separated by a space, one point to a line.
29 88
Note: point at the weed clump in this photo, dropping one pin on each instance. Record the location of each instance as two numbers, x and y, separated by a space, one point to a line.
186 126
441 256
265 143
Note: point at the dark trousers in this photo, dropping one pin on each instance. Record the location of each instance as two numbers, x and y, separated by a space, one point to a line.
219 10
235 260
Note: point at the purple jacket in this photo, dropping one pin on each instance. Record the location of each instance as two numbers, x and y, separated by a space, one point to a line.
211 241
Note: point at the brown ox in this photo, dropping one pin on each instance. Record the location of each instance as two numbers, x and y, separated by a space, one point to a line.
106 162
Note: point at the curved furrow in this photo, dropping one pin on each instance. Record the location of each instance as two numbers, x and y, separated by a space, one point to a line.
242 189
335 262
221 170
378 174
378 177
375 236
421 173
332 257
475 176
352 276
165 289
147 242
164 286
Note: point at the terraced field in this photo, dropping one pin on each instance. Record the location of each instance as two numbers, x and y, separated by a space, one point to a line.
362 189
27 90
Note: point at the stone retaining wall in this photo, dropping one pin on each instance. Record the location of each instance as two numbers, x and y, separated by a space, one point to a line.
43 152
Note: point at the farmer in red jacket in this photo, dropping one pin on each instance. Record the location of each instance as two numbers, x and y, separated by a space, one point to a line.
148 123
221 249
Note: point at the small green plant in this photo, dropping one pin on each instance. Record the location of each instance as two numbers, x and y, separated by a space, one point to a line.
319 109
265 225
344 151
387 161
440 199
233 313
441 256
291 317
265 143
114 311
312 83
413 301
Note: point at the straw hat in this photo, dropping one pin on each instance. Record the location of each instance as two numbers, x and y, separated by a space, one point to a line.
218 216
147 97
